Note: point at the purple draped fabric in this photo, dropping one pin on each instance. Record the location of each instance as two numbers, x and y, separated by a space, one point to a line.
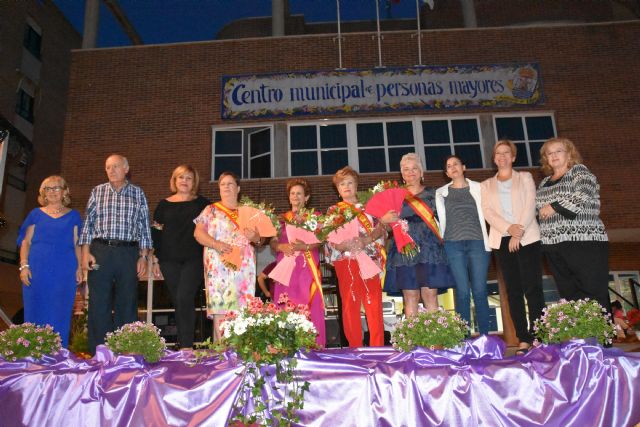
577 383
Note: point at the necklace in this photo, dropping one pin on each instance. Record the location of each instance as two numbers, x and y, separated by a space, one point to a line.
55 211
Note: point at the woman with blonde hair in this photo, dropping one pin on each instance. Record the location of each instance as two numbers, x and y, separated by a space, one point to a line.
508 204
177 253
50 258
422 276
574 239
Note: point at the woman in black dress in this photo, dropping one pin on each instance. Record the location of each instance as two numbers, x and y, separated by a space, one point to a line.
179 256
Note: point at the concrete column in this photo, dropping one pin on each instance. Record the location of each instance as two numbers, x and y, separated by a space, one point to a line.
91 19
277 17
469 14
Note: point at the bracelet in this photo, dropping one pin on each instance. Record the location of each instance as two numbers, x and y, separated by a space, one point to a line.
146 258
24 267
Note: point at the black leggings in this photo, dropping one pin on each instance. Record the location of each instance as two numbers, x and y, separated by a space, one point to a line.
183 280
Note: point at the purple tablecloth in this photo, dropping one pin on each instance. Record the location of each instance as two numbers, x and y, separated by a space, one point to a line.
574 384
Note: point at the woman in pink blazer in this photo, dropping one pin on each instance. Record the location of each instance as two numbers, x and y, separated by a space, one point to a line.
508 205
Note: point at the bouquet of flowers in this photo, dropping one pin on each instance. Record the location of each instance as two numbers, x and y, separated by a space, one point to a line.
340 225
264 335
137 338
429 329
387 196
583 318
257 214
303 226
633 318
28 340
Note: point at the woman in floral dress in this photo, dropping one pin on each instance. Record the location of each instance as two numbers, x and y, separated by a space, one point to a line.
229 257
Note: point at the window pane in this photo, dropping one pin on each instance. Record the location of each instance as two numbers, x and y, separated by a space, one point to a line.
333 136
222 164
303 137
228 142
333 160
372 160
435 132
395 154
32 41
470 155
521 155
260 143
399 133
304 163
539 127
370 135
535 152
510 128
261 167
465 130
435 157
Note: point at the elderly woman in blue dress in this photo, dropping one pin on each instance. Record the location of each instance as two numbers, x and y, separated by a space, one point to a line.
50 258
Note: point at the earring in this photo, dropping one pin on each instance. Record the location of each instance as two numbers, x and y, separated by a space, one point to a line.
404 182
422 179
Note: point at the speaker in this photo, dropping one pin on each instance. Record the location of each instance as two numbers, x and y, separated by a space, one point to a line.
335 336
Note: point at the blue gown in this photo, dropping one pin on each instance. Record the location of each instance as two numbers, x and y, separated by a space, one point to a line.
53 263
430 266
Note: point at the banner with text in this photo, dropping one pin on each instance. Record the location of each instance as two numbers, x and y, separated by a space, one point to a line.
348 91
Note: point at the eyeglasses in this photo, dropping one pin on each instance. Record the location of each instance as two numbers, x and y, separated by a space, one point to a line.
50 189
554 153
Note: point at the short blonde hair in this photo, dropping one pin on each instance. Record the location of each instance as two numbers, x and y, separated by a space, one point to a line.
412 157
508 143
572 152
181 170
343 173
66 195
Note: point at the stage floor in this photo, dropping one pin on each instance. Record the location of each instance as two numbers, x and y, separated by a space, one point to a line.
577 383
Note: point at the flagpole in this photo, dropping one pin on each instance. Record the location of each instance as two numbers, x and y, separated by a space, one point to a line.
419 34
339 36
378 34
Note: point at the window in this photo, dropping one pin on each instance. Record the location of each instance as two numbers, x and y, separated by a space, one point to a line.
24 105
452 136
381 145
528 133
32 41
244 151
317 149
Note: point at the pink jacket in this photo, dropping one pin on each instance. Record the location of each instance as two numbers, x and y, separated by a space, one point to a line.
523 200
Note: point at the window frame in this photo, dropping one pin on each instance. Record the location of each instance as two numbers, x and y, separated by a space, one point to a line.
25 111
32 40
527 141
245 154
452 144
318 124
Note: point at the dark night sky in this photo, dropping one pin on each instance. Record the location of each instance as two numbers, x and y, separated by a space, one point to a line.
170 21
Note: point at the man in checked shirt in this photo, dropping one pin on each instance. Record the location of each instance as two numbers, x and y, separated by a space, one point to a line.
115 242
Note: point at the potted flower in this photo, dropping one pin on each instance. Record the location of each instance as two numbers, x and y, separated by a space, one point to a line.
29 340
262 335
583 318
137 338
429 329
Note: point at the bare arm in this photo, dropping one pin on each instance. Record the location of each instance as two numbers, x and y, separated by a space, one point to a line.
202 237
25 248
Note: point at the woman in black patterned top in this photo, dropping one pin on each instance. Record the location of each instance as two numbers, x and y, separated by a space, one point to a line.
573 236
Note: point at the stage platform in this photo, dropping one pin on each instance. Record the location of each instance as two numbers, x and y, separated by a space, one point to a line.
574 384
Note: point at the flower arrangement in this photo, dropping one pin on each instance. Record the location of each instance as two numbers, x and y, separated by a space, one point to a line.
337 216
307 219
429 329
137 338
265 208
266 334
29 340
583 318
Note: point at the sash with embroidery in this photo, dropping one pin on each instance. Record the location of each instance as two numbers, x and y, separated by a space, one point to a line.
424 212
231 214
